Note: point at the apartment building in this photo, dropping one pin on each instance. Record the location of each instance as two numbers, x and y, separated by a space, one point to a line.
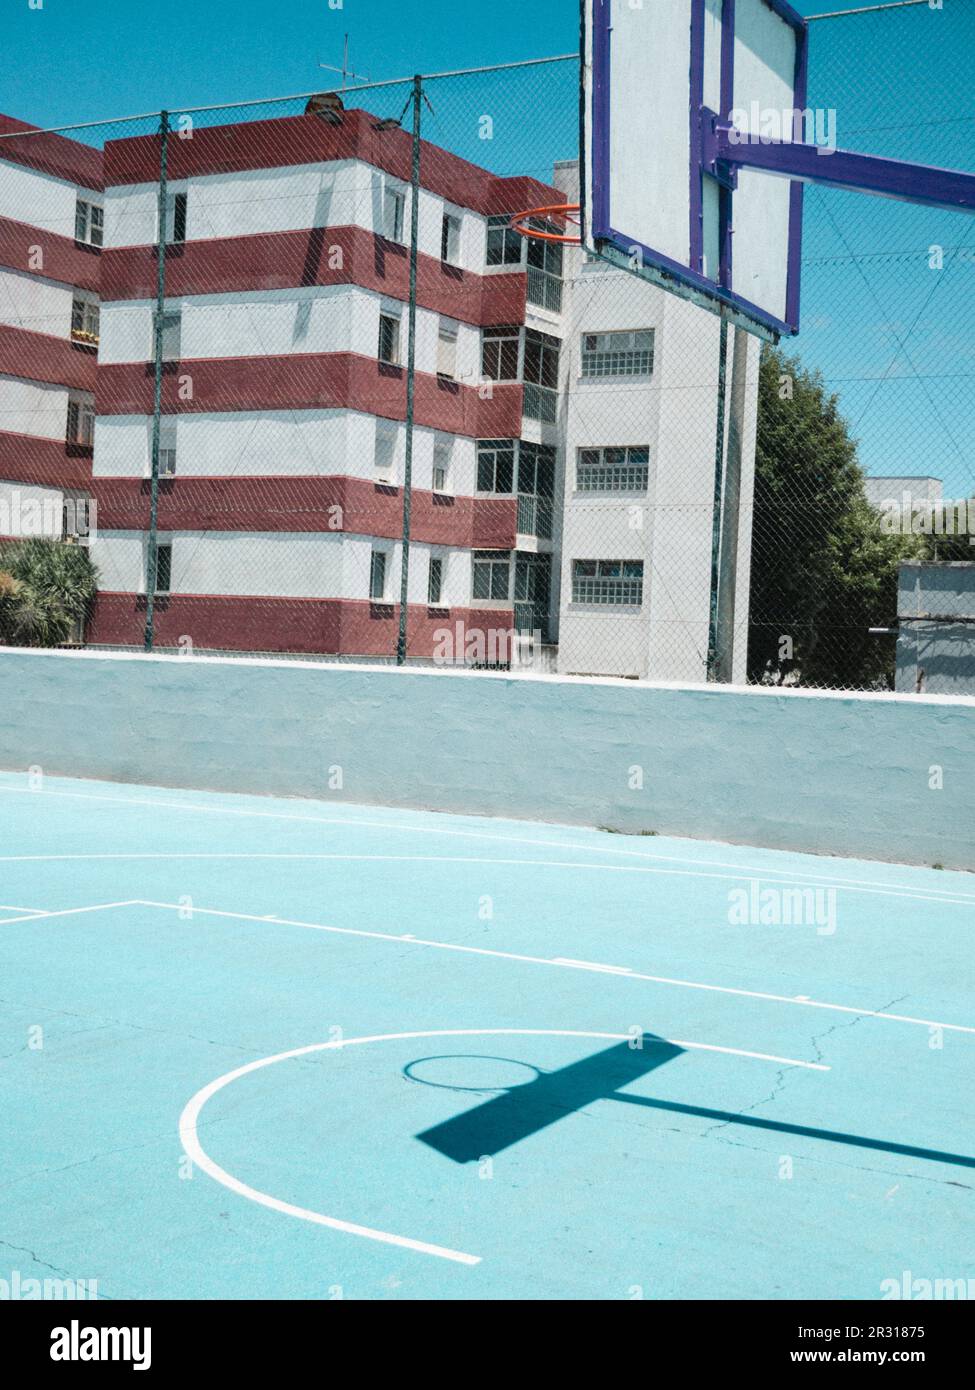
285 391
50 240
563 452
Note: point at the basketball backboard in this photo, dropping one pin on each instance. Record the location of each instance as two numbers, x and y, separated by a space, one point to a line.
659 76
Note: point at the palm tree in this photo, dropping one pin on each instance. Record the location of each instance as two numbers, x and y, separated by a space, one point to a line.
46 588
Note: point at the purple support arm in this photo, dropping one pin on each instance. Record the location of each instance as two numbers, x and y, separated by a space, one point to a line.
862 173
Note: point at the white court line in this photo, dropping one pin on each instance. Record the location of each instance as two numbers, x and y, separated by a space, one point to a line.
70 911
404 939
189 1121
347 823
571 864
11 907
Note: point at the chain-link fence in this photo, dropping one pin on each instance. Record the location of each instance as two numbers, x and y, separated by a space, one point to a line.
281 378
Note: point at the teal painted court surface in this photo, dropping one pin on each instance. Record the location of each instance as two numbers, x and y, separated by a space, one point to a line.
295 1049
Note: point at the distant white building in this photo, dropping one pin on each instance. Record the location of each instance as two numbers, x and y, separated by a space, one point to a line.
920 487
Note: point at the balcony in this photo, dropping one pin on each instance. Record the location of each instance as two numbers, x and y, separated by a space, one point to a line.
544 289
540 403
534 516
532 617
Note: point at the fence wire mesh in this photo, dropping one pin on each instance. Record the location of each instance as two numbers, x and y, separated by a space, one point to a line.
254 394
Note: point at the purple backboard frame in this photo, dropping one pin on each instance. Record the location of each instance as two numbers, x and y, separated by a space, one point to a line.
599 216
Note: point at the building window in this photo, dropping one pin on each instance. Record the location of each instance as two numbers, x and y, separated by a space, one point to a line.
81 422
175 218
164 567
394 207
435 581
450 239
613 470
167 448
389 339
89 223
385 454
78 515
84 320
492 574
610 582
617 354
504 246
536 469
496 465
447 349
377 576
499 353
171 325
441 465
541 376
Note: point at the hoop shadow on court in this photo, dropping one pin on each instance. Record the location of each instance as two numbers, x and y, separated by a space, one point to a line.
523 1110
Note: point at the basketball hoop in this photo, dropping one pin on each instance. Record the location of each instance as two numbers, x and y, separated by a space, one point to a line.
566 213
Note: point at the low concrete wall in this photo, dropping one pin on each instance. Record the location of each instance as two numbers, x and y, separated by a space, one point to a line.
829 773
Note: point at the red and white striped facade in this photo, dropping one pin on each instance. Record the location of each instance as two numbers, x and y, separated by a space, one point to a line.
288 430
45 269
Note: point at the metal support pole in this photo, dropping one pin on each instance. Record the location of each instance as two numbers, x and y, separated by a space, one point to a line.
152 550
410 373
718 492
731 513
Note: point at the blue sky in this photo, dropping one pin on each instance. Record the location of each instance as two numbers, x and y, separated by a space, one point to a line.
894 337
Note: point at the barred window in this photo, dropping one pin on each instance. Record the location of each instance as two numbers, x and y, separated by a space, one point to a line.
613 470
618 354
610 582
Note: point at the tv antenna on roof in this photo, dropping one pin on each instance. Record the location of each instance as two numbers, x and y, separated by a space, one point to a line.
345 70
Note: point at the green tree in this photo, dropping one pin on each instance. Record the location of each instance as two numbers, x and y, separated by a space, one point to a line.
46 588
823 571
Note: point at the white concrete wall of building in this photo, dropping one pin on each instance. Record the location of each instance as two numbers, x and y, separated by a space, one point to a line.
312 319
39 199
347 193
596 639
279 444
681 582
279 564
670 528
38 305
26 510
34 408
119 558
